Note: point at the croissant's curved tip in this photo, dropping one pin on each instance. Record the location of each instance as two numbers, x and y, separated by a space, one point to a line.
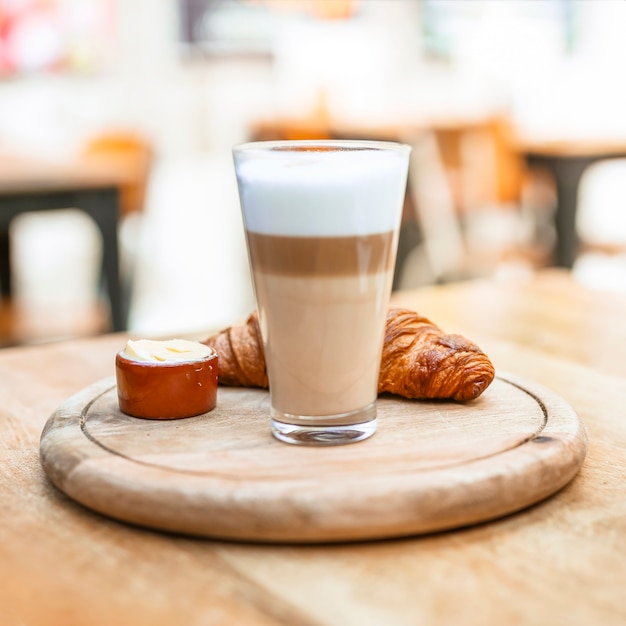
472 390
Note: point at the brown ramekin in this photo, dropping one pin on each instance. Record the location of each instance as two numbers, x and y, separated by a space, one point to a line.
166 390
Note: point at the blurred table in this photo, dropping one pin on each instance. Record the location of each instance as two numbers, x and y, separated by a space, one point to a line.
567 160
560 562
30 184
325 126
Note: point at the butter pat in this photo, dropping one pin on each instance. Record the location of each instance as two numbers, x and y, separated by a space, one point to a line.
170 351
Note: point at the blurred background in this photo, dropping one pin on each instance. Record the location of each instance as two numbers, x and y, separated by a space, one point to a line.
494 96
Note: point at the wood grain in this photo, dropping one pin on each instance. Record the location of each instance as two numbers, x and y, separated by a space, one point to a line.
559 563
431 465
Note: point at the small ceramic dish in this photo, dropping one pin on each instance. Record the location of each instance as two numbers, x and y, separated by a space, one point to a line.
166 390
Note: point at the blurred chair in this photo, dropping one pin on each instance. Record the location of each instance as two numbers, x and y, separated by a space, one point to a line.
131 151
466 184
134 153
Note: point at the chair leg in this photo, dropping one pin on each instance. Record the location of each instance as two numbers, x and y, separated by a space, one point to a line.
5 263
104 208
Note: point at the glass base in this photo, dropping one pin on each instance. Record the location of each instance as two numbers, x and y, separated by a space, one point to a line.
325 431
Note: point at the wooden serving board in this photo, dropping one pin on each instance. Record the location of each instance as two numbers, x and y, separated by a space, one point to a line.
431 465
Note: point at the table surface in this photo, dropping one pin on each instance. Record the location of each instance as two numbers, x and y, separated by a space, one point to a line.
572 147
29 174
559 562
525 141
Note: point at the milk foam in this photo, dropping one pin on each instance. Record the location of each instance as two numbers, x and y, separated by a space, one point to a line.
338 193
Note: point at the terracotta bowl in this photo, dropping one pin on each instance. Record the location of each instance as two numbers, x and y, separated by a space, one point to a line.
166 390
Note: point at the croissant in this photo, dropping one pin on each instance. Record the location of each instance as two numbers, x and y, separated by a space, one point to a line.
241 355
419 361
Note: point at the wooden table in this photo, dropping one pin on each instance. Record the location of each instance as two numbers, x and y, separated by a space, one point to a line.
559 562
568 159
29 184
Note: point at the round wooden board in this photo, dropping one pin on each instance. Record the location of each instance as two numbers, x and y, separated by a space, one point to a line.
431 465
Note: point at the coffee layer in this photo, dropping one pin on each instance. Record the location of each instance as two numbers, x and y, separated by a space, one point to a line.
321 256
323 340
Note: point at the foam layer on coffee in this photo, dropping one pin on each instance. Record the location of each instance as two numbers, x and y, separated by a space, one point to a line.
325 193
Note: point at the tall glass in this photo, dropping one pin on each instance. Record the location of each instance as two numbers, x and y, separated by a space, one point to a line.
322 221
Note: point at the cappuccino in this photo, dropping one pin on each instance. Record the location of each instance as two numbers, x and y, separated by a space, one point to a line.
322 226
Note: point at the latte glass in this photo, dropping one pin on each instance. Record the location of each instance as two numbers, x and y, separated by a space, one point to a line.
322 221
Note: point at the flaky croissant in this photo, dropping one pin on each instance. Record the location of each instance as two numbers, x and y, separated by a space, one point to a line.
419 360
241 355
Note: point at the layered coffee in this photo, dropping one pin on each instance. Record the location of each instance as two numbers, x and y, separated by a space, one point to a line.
322 330
321 227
